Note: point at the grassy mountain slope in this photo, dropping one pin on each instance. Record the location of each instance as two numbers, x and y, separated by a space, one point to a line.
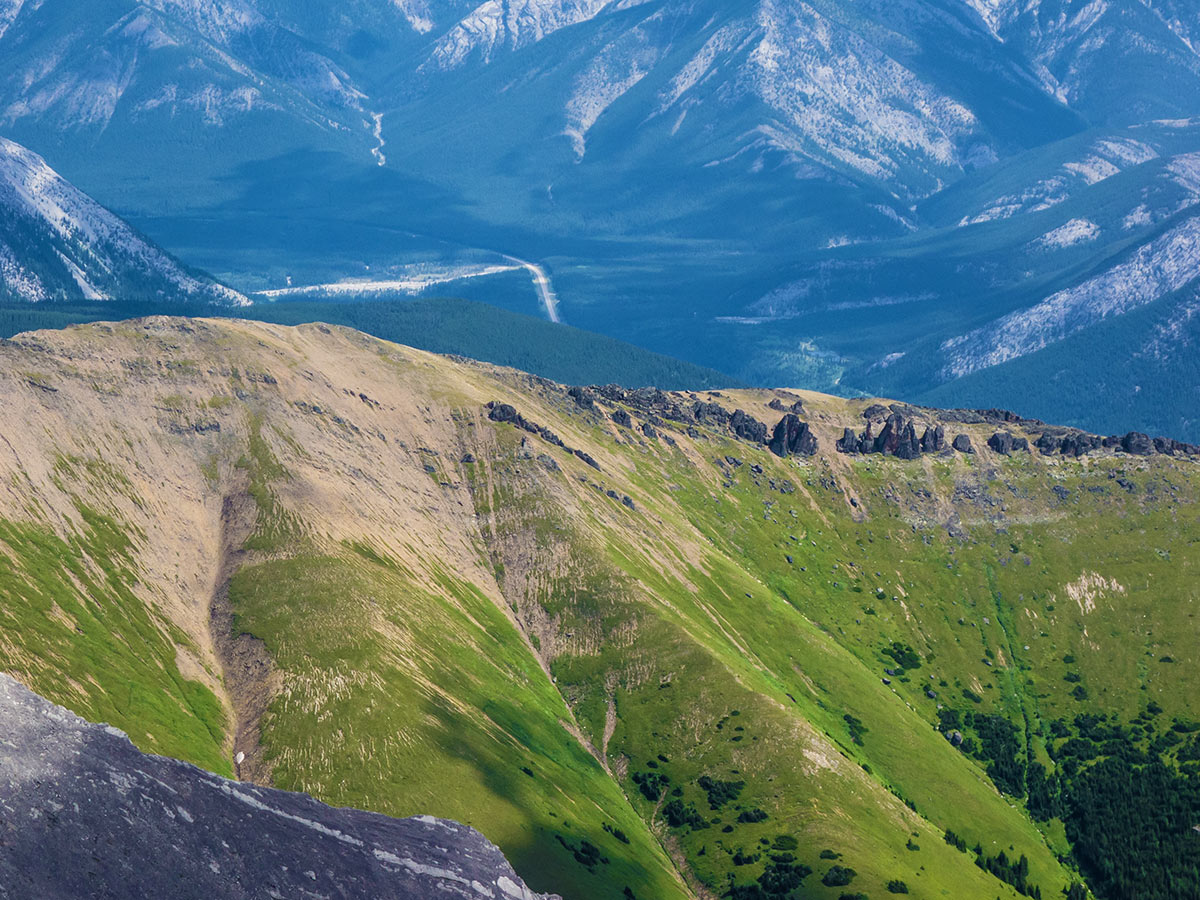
440 325
661 674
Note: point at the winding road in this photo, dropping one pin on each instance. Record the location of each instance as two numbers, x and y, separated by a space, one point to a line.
542 282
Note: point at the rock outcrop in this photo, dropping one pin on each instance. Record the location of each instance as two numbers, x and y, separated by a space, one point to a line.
1069 442
83 813
962 443
897 437
658 407
1137 444
505 412
793 438
934 439
747 427
1006 444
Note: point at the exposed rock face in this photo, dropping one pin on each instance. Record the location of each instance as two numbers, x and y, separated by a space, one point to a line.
1171 447
83 813
848 442
793 438
934 439
779 406
504 412
898 437
747 427
1137 444
962 443
582 397
1006 444
659 406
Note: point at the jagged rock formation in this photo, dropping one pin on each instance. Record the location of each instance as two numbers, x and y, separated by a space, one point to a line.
1068 442
83 813
504 412
747 427
1006 444
778 405
659 407
934 439
898 437
793 438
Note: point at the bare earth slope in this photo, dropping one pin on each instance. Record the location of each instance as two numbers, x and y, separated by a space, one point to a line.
641 652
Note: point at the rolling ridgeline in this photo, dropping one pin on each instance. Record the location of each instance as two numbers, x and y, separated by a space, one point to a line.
756 644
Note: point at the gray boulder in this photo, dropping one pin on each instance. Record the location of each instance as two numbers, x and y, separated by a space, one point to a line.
83 813
1006 444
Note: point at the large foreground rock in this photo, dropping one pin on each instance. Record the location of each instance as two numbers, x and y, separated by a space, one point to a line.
83 813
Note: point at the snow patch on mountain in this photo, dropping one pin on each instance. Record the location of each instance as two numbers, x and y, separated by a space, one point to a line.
214 103
1185 170
1104 159
850 102
18 279
417 13
1137 217
8 13
1040 196
1126 151
616 69
1155 269
220 21
698 68
511 24
1076 231
1092 170
93 246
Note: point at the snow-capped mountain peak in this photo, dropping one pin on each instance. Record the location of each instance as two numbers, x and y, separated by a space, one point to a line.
56 241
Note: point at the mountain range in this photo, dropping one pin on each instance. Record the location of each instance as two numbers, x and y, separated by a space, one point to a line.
745 643
956 201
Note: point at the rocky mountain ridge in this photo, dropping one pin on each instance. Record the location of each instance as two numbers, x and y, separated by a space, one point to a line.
931 199
388 579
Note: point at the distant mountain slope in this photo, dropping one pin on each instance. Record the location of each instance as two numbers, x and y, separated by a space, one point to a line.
1115 62
669 644
84 811
57 244
793 192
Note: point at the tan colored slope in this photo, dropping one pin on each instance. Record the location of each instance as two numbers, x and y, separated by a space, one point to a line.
227 446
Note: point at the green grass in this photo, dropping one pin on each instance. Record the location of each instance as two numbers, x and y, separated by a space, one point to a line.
410 698
676 636
73 627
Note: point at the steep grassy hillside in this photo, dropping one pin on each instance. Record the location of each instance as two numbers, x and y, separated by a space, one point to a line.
643 654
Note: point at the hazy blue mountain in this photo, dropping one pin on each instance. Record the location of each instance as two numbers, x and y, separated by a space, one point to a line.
879 196
56 243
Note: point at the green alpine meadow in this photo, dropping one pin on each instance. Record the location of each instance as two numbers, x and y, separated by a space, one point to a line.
741 643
